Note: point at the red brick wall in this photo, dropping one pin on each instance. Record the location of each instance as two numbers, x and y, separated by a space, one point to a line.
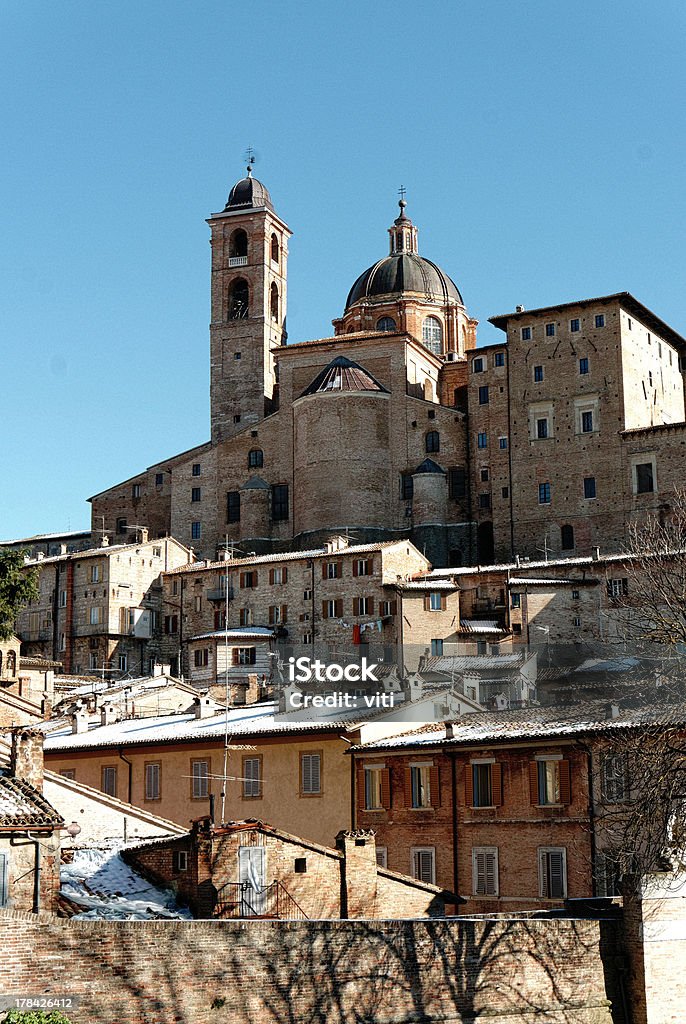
341 972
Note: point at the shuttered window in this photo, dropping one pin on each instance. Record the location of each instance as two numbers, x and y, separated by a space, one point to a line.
109 781
152 780
422 786
552 872
310 773
199 779
485 871
423 864
373 788
252 777
549 782
483 785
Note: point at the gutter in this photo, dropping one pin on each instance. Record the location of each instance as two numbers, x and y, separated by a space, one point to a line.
130 764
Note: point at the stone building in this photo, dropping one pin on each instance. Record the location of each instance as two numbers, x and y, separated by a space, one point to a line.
248 869
398 426
98 610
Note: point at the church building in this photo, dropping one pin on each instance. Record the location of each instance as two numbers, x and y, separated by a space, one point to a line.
398 426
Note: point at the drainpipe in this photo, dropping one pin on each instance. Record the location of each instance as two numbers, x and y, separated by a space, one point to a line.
32 841
591 815
353 801
129 763
453 781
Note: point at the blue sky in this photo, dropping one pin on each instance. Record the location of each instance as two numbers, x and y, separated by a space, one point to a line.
542 146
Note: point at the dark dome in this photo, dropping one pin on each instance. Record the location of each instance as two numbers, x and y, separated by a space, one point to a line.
248 192
404 272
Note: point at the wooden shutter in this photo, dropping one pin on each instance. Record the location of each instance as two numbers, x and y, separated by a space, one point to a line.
434 784
356 606
324 570
533 781
370 601
284 612
496 784
254 577
339 570
234 656
408 787
325 609
386 788
355 567
338 607
284 574
361 796
469 785
565 783
393 607
271 575
444 602
427 603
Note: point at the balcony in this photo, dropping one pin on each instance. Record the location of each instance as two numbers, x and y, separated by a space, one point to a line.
218 594
241 899
238 261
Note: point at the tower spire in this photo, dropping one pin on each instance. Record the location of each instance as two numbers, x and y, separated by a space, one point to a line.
403 233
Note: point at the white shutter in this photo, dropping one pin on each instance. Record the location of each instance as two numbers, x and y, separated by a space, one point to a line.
485 872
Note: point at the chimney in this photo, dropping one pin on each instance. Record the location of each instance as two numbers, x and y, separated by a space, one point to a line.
449 731
105 542
611 711
144 533
46 706
79 721
519 309
40 555
107 713
63 549
596 554
202 707
26 758
359 868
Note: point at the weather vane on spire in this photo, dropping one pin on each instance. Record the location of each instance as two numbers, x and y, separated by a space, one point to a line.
402 191
250 157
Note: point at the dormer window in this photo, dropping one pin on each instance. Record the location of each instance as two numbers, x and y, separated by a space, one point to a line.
386 323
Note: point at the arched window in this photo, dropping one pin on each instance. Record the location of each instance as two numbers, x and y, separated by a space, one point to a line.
432 334
275 249
428 391
11 663
255 458
238 299
274 301
239 243
433 441
386 323
567 537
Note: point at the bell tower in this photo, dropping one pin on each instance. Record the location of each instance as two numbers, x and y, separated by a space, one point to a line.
248 307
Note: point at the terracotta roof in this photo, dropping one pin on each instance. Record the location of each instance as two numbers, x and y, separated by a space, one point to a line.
285 556
23 807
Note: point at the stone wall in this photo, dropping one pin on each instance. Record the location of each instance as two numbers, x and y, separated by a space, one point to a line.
548 971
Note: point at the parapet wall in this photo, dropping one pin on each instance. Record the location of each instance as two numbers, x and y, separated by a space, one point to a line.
511 971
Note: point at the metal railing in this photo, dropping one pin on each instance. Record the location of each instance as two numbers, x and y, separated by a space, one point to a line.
241 899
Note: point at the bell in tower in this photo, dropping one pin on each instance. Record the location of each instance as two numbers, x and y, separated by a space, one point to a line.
248 307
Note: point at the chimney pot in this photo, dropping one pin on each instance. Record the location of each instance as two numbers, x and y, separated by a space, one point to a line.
26 757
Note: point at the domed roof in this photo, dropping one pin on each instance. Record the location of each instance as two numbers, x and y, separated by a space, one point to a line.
404 272
343 374
248 192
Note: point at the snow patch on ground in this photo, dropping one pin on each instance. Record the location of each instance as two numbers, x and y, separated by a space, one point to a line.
108 889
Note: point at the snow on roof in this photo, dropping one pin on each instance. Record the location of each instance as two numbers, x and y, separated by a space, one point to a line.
22 806
103 550
481 626
47 536
475 662
427 584
138 684
530 581
239 633
250 720
469 570
530 723
287 556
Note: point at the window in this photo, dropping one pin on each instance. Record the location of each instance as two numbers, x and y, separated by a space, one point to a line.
248 580
382 856
423 864
420 785
122 524
432 334
544 494
123 662
279 575
586 422
108 782
201 657
432 441
600 320
363 567
238 245
406 486
252 777
153 771
583 365
159 479
239 294
567 537
482 440
196 469
550 330
66 773
477 365
483 395
542 428
457 482
200 771
485 500
617 588
363 605
526 334
629 323
275 249
171 624
332 609
515 600
614 778
136 491
95 616
436 648
550 781
387 608
310 774
589 487
386 323
92 660
645 483
485 871
179 861
279 502
233 507
376 788
436 601
576 594
538 374
63 599
552 872
237 355
95 574
332 570
484 474
255 458
278 614
499 359
609 875
196 530
502 443
274 301
237 418
483 784
195 494
575 325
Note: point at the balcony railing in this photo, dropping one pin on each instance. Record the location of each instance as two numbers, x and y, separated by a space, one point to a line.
218 594
238 261
242 899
